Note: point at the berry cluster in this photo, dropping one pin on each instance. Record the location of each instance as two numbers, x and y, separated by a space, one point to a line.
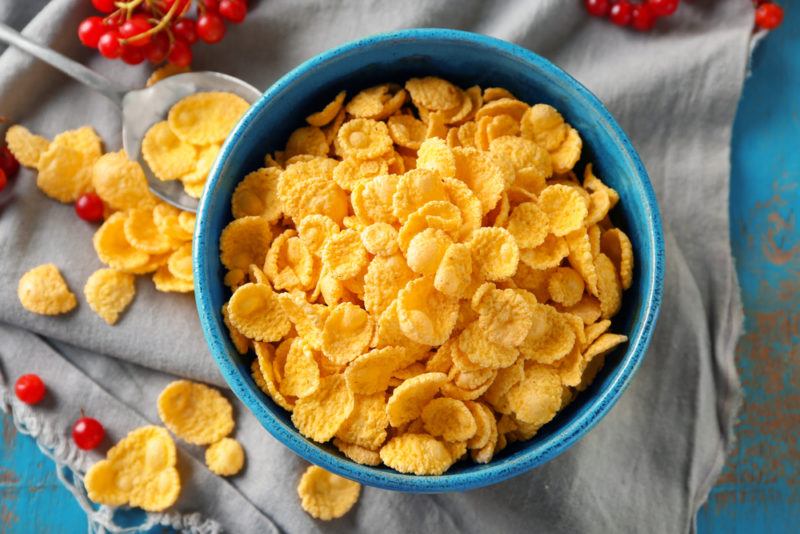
157 30
642 16
87 433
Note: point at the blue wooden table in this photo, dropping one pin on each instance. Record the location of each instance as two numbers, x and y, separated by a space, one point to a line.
758 490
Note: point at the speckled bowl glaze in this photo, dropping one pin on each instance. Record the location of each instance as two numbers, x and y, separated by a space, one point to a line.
466 59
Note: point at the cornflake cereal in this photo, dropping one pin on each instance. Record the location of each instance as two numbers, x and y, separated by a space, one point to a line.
141 235
423 277
326 496
138 471
195 412
225 457
43 290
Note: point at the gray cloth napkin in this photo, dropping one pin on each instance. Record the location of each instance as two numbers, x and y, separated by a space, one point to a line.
647 466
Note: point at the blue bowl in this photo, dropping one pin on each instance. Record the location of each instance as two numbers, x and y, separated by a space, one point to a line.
466 59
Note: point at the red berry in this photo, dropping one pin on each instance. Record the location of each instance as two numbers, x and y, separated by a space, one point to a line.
210 27
30 389
109 45
233 10
180 55
90 31
88 433
642 18
104 6
157 50
597 8
769 16
133 27
132 55
620 13
89 207
663 8
211 5
3 179
8 163
185 30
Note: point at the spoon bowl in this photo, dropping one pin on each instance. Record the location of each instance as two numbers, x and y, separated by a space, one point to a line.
140 108
143 108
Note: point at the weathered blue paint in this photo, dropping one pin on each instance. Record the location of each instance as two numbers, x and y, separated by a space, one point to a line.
759 490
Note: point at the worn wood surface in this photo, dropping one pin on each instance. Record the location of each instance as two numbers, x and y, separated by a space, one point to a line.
758 491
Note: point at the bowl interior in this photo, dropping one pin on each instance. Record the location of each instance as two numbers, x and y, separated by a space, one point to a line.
465 59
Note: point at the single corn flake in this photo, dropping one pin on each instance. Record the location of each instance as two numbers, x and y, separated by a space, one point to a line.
109 292
529 225
565 286
84 139
550 337
204 118
244 242
343 255
420 454
609 289
64 173
415 189
407 131
544 125
43 290
495 253
225 457
366 426
300 373
537 398
329 112
257 195
257 313
370 373
346 333
581 258
435 155
120 182
567 155
504 315
26 147
449 419
139 471
409 398
264 375
141 232
426 316
307 140
350 171
363 138
167 156
482 352
434 93
546 255
326 496
566 209
166 282
196 413
385 277
617 246
320 415
484 173
359 455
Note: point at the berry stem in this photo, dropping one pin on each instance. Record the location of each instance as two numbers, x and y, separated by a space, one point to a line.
163 23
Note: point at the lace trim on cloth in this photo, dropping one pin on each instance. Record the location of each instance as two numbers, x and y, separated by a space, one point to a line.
69 459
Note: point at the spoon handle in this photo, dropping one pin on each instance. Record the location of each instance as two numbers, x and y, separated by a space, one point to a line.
69 67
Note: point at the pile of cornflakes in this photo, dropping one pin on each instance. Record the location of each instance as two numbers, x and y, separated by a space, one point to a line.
140 470
422 275
140 235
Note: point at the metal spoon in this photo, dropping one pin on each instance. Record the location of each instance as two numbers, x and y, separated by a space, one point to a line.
140 108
